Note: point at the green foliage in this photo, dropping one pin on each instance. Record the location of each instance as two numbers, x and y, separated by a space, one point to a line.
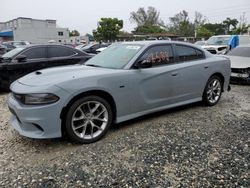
216 29
180 25
241 29
204 32
149 29
74 33
108 29
147 21
230 22
149 17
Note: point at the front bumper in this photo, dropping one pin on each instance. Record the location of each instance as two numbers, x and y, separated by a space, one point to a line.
36 121
239 80
239 77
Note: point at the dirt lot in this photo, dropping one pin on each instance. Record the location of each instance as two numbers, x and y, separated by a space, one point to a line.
191 146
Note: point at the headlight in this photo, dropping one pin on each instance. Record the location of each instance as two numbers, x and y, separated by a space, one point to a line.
36 98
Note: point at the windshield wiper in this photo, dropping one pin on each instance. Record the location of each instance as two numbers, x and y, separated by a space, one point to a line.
93 65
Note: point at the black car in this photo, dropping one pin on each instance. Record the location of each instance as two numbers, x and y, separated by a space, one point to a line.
23 60
3 49
91 48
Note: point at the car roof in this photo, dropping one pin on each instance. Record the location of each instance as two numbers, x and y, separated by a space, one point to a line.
155 42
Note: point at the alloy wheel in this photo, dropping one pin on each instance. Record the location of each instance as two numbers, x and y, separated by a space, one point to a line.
213 90
89 120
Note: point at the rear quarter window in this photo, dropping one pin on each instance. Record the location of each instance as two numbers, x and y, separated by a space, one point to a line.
187 53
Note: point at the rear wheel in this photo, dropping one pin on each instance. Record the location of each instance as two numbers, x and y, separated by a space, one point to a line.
213 90
88 119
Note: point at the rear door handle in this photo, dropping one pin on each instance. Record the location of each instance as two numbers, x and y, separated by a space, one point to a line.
174 73
206 67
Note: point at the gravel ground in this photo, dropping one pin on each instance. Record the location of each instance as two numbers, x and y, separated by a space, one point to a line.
191 146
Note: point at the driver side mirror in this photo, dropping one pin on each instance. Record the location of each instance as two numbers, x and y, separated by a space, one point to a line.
21 58
144 64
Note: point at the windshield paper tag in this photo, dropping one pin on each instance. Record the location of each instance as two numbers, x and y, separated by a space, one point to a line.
133 47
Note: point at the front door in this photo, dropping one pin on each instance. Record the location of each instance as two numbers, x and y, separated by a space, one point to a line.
156 86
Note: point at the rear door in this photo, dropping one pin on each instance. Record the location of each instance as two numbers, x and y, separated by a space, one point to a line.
193 71
60 55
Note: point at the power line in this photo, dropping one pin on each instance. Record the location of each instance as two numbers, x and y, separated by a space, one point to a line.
225 8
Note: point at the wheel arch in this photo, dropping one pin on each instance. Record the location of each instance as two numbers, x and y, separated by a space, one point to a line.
100 93
220 75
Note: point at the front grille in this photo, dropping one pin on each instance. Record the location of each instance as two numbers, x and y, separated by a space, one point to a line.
212 51
239 70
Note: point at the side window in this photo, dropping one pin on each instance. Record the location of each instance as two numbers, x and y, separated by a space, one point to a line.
59 51
35 53
186 53
159 55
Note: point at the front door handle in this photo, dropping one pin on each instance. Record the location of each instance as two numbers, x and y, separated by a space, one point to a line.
174 73
206 67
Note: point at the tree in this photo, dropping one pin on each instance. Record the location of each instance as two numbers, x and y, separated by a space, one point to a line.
199 19
230 22
147 21
74 33
108 29
217 28
204 32
149 17
149 29
180 25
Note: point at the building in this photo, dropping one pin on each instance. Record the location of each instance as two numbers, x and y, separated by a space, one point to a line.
33 30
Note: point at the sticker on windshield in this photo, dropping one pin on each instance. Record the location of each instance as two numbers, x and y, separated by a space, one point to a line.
133 47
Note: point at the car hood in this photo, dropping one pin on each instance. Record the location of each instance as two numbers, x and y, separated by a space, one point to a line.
53 76
213 46
239 62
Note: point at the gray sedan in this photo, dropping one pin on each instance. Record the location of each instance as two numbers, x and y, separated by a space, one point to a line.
125 81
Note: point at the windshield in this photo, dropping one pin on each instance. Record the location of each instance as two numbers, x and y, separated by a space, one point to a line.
240 51
12 53
115 56
218 40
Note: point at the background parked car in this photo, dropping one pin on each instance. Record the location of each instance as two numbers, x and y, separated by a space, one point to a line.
91 48
8 46
80 46
17 43
3 49
244 39
23 60
200 43
240 64
217 44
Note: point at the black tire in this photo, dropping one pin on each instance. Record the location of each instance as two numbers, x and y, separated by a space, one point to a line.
206 97
79 107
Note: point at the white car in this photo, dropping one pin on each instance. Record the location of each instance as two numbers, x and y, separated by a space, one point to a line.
100 49
217 44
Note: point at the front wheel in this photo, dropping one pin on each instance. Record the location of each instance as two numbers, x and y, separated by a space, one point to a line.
213 90
88 119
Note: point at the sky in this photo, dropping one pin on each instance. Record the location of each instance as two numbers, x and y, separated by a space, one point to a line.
83 15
